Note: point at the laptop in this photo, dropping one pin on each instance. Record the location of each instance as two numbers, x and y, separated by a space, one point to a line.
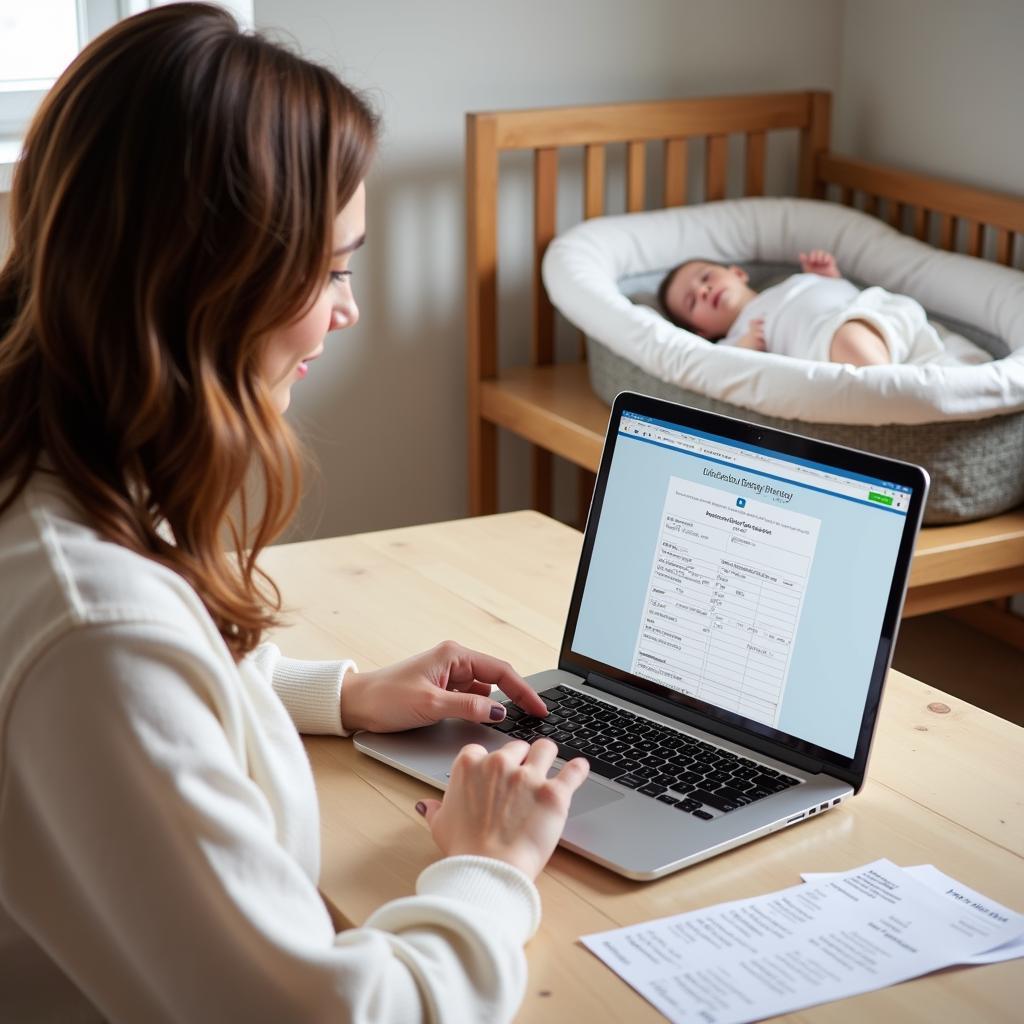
731 626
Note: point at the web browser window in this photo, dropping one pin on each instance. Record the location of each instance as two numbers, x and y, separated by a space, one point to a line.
743 578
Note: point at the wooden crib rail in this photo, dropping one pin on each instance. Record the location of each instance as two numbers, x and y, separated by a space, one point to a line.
951 216
670 123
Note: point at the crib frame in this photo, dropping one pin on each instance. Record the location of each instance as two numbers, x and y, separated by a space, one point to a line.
551 405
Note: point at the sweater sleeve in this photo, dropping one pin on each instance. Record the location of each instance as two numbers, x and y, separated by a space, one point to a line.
310 690
138 853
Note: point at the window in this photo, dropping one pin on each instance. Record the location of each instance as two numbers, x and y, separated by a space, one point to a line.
38 39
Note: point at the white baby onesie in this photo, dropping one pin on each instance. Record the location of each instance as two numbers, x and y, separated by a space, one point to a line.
802 314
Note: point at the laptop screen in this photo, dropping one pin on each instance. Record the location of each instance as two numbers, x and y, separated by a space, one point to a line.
746 579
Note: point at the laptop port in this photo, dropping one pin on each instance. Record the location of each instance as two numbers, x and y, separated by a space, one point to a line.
823 807
797 818
837 799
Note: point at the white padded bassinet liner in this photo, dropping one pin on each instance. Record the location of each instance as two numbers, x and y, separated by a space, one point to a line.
583 266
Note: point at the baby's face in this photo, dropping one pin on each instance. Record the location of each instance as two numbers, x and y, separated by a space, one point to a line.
708 297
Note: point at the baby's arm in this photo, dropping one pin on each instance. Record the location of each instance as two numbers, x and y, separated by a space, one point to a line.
819 262
754 338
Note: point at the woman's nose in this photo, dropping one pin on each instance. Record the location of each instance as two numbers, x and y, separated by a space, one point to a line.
346 314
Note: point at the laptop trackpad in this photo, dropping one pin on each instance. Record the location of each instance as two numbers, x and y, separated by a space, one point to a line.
590 796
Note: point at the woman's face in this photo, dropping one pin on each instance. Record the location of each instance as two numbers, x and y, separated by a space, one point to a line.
290 350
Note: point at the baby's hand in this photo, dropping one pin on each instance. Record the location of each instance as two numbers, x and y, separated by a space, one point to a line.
754 338
820 262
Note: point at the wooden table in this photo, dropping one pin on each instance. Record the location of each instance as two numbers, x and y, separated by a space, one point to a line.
944 787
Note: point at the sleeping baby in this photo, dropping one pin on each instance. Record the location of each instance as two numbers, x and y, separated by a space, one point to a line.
814 315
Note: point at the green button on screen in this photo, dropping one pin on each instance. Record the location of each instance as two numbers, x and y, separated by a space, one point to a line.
882 499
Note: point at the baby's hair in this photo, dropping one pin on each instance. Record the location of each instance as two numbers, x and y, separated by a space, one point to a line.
174 207
663 288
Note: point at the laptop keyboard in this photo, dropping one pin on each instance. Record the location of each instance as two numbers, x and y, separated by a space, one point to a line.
662 763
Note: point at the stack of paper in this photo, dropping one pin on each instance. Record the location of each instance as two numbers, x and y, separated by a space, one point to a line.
831 937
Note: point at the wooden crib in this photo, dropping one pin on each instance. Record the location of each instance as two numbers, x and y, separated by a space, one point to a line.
550 403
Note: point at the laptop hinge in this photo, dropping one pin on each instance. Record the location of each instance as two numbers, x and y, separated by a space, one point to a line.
684 715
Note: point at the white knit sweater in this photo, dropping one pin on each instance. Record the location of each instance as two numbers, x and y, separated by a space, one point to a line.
159 833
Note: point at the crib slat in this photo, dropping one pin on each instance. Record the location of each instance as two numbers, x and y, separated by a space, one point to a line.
947 231
545 198
636 153
593 202
894 213
1004 247
593 181
754 183
973 238
846 195
920 223
715 167
871 205
675 172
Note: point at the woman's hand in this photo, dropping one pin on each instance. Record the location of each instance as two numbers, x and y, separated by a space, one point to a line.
448 681
503 804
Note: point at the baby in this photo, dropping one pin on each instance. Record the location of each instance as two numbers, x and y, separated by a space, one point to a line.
814 315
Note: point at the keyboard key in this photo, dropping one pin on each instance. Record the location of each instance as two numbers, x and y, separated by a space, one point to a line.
743 785
506 726
653 760
597 765
689 804
688 778
618 746
713 800
629 764
665 781
523 734
666 799
703 815
545 729
733 795
651 789
718 776
630 781
787 781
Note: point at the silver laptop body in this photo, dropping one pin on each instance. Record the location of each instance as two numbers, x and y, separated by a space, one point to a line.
731 626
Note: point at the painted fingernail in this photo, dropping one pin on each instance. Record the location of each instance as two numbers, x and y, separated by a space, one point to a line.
421 807
497 712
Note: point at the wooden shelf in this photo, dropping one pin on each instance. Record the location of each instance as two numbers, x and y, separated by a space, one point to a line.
554 407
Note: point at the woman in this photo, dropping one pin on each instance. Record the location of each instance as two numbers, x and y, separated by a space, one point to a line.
183 220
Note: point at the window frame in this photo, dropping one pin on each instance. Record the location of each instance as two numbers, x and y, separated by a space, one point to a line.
17 106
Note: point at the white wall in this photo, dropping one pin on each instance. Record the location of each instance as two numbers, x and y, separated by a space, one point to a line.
935 86
384 410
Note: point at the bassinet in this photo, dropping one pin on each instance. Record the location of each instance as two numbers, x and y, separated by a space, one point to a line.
965 424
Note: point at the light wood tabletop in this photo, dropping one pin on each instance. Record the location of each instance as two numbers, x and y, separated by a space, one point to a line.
944 782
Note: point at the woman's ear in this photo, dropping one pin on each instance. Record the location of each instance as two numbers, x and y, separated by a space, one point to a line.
740 273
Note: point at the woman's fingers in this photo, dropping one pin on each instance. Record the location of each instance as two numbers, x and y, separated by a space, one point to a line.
541 756
469 667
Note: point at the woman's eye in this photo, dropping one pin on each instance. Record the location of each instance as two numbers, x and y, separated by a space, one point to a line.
337 276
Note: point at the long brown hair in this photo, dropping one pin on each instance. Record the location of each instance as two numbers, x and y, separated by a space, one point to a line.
173 206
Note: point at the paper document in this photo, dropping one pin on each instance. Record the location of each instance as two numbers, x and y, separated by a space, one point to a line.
724 598
972 904
826 939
